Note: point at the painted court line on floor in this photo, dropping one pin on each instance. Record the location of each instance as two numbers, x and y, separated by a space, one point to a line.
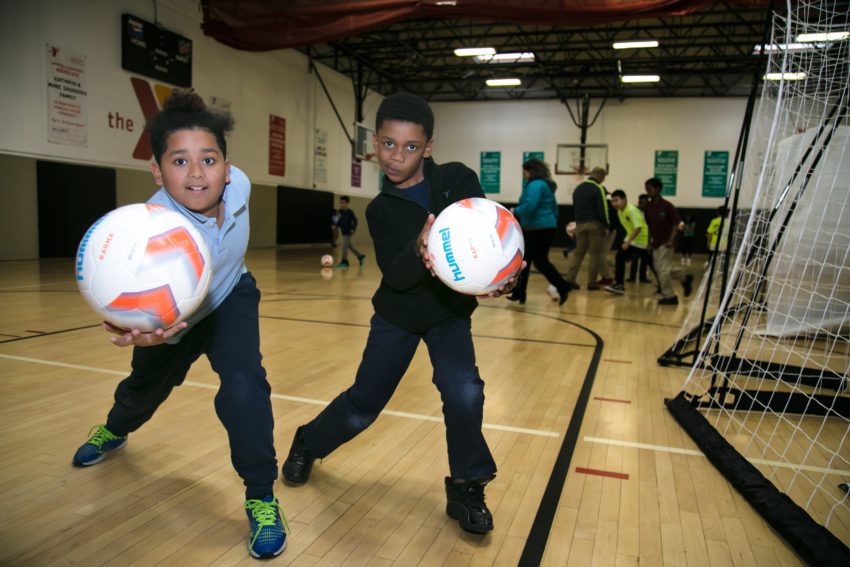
611 400
695 453
597 472
296 399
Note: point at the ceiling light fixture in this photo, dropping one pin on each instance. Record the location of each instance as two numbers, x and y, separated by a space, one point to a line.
777 47
524 57
640 78
634 44
830 36
473 51
512 82
784 76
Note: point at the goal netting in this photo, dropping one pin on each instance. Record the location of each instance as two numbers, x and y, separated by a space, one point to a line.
768 336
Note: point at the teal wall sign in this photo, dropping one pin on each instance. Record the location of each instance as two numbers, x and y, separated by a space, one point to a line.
491 171
715 171
667 170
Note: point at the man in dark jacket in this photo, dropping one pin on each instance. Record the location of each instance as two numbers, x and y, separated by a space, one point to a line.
347 223
411 305
590 208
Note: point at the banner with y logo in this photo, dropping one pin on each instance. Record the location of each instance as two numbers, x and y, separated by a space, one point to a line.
150 101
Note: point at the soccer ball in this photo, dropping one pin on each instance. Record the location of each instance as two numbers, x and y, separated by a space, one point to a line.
476 246
143 267
327 260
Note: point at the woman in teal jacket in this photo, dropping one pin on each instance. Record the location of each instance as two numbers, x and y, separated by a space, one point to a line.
537 212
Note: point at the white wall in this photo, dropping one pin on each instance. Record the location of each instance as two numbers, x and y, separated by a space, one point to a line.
256 84
633 130
260 84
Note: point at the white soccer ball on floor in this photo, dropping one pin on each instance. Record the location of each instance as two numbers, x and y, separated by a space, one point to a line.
143 267
476 246
327 260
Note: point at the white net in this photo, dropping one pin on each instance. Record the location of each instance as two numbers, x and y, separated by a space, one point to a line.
771 374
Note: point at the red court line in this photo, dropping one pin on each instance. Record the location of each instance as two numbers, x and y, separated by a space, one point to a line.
596 472
612 400
615 360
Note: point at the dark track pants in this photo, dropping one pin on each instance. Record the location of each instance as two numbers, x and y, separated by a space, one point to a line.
634 255
389 350
537 244
230 339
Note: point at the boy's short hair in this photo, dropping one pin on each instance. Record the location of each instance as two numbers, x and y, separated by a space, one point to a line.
407 108
184 109
619 193
643 197
654 182
344 198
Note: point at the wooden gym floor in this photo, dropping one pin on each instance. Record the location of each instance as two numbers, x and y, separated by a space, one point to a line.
171 497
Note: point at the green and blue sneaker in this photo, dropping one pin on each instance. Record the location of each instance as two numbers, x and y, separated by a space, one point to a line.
101 441
268 527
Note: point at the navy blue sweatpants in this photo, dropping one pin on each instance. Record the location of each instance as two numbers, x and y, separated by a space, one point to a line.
230 339
386 358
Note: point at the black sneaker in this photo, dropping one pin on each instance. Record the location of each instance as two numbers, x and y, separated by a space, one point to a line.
688 284
574 286
465 503
296 468
669 301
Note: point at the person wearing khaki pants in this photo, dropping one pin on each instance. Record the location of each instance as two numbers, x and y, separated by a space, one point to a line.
663 221
590 238
591 218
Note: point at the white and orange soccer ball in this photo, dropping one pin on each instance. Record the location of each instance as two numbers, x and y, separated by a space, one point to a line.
327 261
476 246
143 267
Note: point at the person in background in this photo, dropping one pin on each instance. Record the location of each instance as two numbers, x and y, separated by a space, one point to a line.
592 223
645 261
713 232
347 223
537 212
663 221
688 231
635 242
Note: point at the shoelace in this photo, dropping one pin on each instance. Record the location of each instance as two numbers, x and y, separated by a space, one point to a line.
101 437
265 514
477 493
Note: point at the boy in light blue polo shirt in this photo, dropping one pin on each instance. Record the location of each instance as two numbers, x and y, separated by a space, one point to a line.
198 182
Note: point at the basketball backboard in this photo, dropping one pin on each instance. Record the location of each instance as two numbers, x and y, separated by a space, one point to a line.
578 159
363 148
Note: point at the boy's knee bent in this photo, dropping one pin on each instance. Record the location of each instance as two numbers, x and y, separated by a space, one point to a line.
464 397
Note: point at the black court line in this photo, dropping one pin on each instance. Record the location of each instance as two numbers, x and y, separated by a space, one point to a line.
541 528
314 297
365 326
50 333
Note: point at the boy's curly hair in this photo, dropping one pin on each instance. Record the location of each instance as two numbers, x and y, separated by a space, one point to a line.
407 108
184 109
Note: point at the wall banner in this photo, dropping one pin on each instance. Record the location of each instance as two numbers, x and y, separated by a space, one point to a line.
491 170
320 157
715 170
667 170
67 122
277 145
